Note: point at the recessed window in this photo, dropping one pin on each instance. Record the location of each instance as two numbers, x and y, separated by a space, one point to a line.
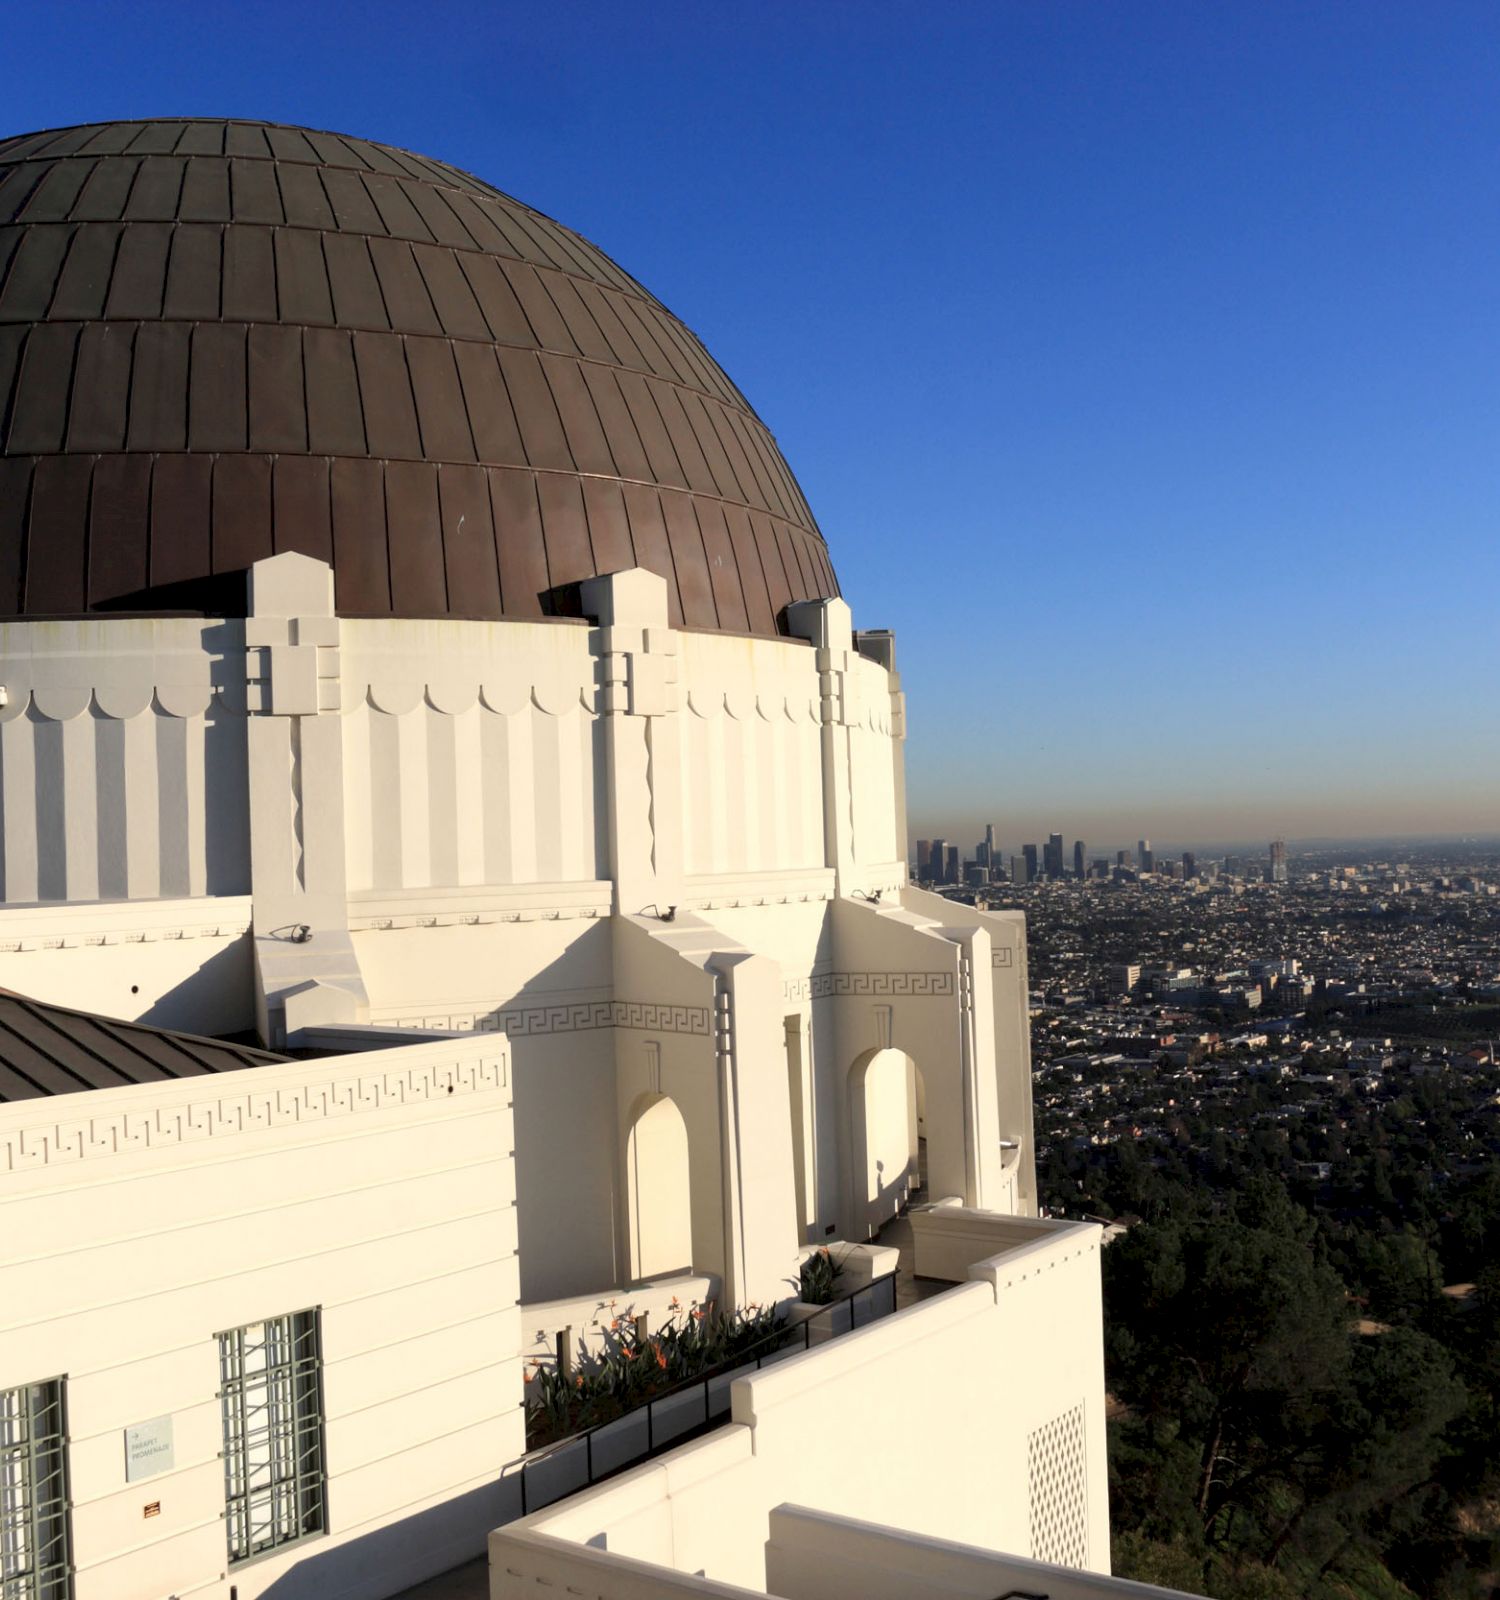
34 1559
271 1395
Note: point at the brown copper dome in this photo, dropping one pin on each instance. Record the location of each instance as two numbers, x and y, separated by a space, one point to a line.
222 340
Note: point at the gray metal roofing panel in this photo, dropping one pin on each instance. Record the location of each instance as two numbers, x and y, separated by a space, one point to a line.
48 1050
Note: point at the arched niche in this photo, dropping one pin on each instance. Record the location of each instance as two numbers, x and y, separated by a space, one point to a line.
659 1195
885 1098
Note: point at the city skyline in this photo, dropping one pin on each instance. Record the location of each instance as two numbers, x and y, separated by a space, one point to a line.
994 836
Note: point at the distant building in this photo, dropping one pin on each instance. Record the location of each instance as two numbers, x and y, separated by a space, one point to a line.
1123 858
1052 860
1080 859
1028 855
1147 856
1189 864
924 859
1124 977
1276 867
939 860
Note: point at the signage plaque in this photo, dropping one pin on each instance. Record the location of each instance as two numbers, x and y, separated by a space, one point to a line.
148 1449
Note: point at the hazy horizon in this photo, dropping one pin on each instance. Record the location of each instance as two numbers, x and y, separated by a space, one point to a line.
1102 843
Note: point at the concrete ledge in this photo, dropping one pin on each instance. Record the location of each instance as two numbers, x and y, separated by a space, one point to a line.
816 1555
949 1240
522 1562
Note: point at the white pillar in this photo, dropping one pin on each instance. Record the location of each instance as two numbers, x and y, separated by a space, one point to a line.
306 968
828 624
637 652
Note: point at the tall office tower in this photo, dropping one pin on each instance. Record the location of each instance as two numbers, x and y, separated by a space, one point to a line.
1189 864
1080 859
1018 870
982 855
1029 852
1123 858
1148 856
924 860
1052 858
937 860
952 872
1276 873
989 843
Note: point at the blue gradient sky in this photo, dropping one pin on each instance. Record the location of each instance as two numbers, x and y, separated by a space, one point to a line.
1139 360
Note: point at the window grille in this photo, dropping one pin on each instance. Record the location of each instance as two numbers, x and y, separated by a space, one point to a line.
34 1556
271 1394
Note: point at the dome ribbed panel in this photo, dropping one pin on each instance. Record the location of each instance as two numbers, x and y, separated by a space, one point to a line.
223 340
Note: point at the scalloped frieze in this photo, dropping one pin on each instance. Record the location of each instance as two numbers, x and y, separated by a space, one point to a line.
119 702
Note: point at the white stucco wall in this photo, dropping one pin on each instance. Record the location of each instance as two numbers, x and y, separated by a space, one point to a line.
470 754
136 1224
122 759
182 964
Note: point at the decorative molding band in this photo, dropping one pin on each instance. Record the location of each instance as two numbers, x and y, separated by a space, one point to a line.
709 891
115 702
893 985
1003 957
113 936
474 919
224 1115
376 910
585 1016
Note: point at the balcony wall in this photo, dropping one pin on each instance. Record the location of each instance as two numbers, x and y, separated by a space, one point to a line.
976 1416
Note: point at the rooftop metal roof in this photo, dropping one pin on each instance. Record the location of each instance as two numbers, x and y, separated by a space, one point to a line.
46 1050
222 340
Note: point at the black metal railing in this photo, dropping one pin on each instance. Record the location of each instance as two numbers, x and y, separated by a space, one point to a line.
687 1409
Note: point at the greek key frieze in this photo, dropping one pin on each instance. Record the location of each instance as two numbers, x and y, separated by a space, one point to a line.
1004 957
163 1127
576 1016
887 985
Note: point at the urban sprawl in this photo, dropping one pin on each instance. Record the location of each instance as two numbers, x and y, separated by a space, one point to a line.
1268 995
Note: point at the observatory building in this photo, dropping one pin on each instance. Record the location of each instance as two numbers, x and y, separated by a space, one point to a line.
454 899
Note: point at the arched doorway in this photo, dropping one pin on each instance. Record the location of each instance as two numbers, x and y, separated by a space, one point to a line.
886 1102
659 1195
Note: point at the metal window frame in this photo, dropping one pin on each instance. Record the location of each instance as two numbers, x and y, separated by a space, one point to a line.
274 1410
35 1525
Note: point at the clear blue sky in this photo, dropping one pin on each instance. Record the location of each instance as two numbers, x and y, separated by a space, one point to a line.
1140 360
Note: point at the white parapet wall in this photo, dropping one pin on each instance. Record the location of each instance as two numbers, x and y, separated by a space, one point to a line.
977 1416
811 1555
137 1224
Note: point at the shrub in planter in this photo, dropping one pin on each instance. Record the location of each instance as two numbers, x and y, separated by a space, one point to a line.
817 1284
634 1367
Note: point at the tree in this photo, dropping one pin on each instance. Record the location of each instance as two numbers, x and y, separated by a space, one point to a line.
1228 1339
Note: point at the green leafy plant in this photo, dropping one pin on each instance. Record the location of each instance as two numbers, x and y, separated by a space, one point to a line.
817 1282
